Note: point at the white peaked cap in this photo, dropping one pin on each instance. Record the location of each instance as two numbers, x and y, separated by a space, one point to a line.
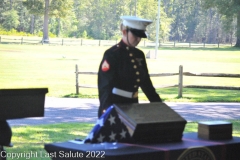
135 22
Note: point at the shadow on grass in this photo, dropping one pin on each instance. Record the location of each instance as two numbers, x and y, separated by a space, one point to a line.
74 95
31 139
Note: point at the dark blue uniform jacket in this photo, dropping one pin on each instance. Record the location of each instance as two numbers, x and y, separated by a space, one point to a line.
125 68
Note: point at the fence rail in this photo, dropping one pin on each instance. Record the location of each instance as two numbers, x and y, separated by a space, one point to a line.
180 80
81 42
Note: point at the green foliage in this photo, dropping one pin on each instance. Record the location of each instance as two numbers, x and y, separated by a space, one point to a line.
40 34
165 27
11 19
228 8
60 8
228 24
179 20
52 35
13 32
84 34
116 36
225 7
35 7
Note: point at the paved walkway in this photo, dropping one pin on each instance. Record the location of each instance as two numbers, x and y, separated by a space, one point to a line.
59 110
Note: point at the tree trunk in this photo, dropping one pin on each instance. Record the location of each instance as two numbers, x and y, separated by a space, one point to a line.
59 27
10 4
238 30
45 23
32 24
21 27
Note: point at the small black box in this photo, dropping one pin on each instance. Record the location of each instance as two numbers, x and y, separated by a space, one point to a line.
22 103
215 130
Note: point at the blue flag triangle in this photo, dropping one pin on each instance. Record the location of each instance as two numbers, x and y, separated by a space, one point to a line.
109 128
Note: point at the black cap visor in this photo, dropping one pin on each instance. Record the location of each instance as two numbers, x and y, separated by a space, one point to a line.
138 33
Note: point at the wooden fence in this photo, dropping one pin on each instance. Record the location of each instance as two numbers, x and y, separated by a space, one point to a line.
180 80
81 42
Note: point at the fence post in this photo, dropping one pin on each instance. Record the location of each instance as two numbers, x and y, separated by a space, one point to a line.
22 40
0 39
81 42
190 44
77 87
99 43
180 81
174 43
62 42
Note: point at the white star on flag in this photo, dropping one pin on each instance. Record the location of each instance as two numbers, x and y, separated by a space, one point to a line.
100 138
112 136
112 119
123 134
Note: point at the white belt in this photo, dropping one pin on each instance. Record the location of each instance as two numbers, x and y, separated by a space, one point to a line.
123 93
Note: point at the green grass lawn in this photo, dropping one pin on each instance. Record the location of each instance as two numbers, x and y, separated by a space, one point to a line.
53 67
32 138
37 66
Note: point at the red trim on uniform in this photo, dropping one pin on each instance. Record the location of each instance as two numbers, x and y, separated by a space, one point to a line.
105 66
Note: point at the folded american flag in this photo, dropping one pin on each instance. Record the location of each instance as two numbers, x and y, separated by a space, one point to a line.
109 128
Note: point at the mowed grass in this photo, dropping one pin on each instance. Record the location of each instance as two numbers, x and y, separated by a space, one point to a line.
53 67
31 139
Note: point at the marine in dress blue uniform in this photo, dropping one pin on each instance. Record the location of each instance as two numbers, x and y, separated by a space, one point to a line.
123 69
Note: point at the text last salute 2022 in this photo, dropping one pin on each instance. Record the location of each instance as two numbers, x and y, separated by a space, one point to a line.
59 154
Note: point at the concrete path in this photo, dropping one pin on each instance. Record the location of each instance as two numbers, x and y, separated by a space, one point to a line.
60 110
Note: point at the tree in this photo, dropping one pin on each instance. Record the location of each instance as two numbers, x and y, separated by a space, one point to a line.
48 8
229 8
60 9
2 9
36 8
180 12
183 20
45 22
10 19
